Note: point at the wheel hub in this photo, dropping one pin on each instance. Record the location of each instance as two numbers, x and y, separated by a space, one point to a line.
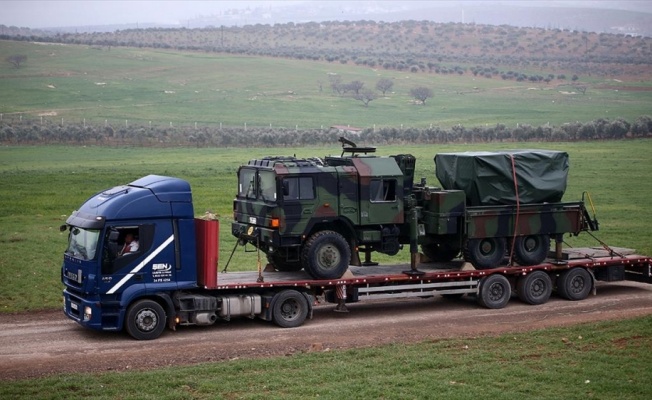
329 256
486 247
146 320
530 244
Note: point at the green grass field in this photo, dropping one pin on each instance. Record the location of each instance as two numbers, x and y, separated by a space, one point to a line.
40 186
135 86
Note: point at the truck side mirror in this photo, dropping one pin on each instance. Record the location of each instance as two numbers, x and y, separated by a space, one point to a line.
113 236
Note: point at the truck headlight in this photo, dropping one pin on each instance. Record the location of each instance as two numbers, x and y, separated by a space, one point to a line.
88 313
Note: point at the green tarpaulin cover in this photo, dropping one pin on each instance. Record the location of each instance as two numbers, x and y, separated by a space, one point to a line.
487 177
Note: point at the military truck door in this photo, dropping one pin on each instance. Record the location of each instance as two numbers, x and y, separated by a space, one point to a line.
298 202
349 195
381 191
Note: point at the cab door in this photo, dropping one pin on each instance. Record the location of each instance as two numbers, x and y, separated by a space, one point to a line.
299 199
152 262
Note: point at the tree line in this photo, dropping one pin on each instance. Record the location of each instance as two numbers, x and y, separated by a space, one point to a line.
48 132
415 46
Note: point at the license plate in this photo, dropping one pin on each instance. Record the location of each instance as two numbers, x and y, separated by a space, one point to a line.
74 306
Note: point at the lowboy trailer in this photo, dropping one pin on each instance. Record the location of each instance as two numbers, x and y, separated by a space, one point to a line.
172 277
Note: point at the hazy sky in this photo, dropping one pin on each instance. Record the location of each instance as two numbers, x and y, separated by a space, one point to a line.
65 13
51 13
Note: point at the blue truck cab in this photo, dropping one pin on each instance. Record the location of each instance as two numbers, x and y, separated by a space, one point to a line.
103 283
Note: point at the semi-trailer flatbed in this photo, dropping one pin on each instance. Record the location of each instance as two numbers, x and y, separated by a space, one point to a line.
172 277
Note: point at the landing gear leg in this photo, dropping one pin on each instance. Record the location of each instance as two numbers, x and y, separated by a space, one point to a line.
340 292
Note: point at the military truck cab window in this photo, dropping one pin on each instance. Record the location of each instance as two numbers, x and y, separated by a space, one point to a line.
247 185
124 244
82 243
298 188
382 190
267 184
253 184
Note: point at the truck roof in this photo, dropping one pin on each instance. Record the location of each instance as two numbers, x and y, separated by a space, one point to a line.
152 196
365 165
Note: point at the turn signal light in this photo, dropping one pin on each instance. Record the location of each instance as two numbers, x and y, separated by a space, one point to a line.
275 223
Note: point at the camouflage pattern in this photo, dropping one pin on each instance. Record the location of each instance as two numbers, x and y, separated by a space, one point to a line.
533 219
369 200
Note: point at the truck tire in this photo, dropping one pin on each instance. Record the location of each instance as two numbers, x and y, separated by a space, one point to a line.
485 253
440 251
280 263
290 309
531 250
495 291
574 284
326 255
146 320
534 288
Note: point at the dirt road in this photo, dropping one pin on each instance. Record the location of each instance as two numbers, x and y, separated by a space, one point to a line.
47 343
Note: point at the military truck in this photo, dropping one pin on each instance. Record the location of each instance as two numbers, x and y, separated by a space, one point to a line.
495 208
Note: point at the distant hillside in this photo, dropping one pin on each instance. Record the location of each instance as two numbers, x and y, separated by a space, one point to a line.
416 46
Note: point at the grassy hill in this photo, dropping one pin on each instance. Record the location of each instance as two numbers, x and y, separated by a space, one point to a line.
122 86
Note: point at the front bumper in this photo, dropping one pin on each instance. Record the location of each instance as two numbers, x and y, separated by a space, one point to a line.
91 313
257 235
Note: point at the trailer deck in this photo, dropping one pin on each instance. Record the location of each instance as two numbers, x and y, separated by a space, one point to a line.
590 258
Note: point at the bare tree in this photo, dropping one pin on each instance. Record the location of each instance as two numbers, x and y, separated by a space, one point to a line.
336 83
355 86
366 96
16 60
384 84
421 93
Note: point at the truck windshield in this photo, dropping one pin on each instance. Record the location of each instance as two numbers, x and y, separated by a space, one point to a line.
267 185
255 184
82 243
247 183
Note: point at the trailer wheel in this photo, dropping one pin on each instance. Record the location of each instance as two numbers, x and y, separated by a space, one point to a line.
145 320
534 288
495 291
485 253
290 309
326 255
531 250
574 284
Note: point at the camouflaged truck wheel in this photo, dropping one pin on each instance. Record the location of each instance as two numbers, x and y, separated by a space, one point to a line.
280 263
531 250
440 251
326 255
485 253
